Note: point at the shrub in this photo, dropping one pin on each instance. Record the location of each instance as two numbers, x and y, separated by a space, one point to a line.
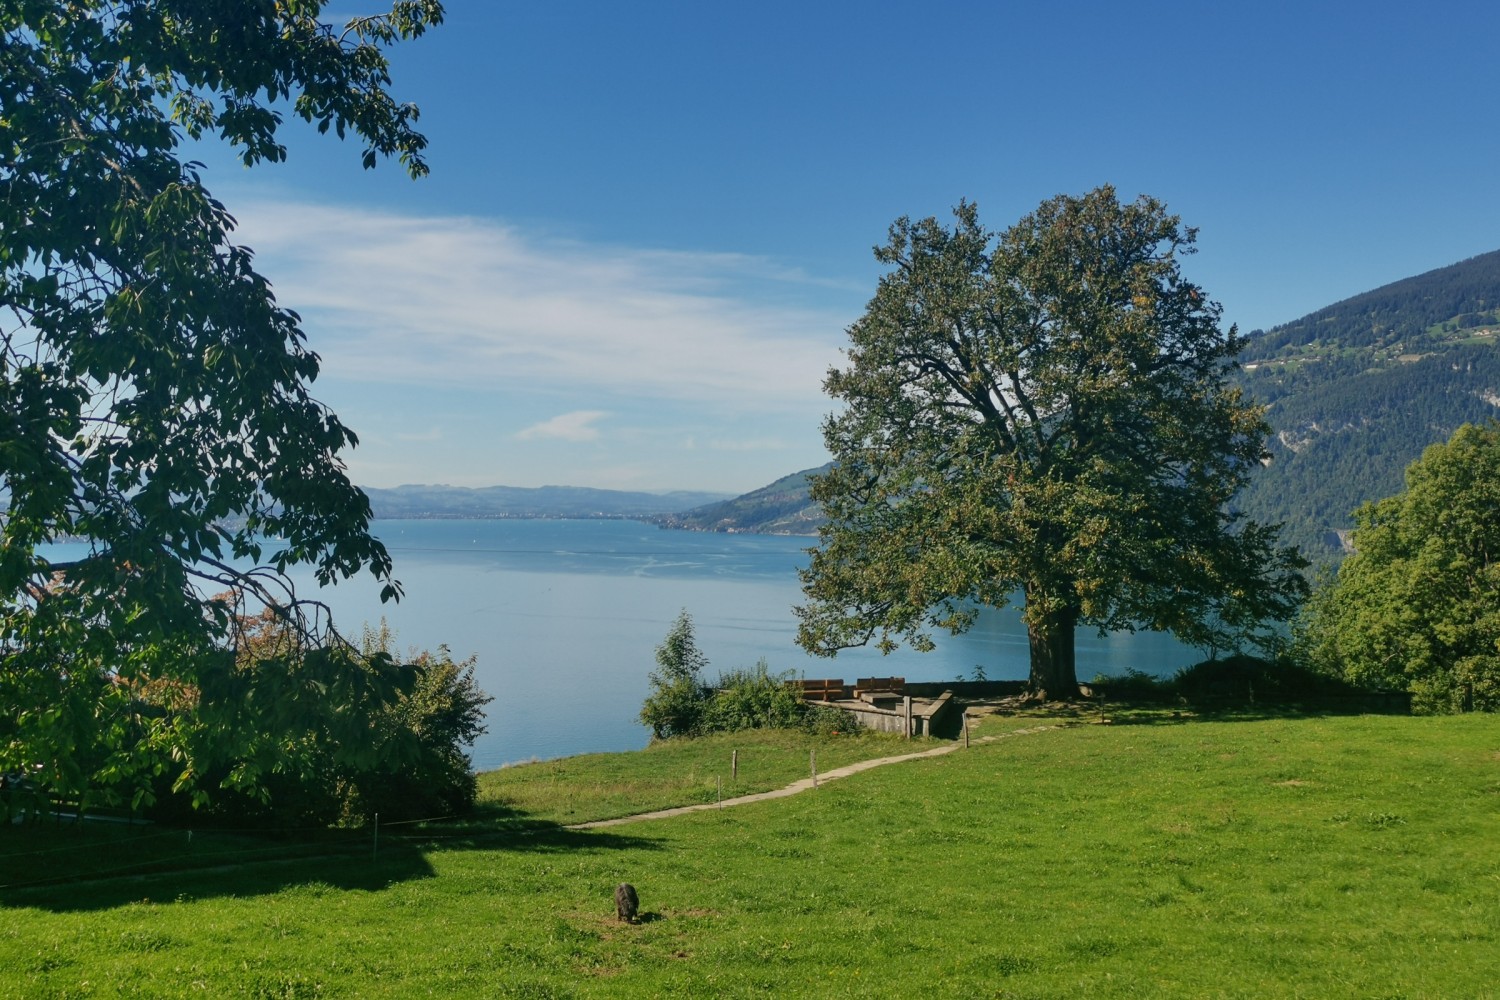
826 720
754 699
333 735
442 714
679 705
677 700
1133 685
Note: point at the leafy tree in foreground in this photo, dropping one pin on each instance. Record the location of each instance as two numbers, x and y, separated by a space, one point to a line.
154 397
677 700
1417 606
1044 410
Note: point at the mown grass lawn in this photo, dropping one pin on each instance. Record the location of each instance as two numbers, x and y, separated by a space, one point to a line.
1294 857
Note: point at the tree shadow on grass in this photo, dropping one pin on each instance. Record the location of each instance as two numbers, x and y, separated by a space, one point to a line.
77 867
1240 688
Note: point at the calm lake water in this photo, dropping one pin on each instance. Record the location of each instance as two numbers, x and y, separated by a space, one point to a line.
564 618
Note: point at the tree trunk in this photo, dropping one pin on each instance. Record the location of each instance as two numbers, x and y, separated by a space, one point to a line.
1054 674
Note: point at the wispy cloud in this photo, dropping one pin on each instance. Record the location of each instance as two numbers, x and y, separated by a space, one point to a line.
452 300
576 426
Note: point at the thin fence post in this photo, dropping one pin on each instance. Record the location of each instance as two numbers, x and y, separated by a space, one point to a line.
965 717
719 779
375 847
734 765
812 762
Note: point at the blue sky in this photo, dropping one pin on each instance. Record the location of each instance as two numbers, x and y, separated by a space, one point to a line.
648 224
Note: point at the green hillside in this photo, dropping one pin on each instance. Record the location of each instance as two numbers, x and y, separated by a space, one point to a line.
782 508
1357 390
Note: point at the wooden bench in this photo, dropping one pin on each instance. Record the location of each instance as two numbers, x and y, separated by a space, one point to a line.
880 685
828 689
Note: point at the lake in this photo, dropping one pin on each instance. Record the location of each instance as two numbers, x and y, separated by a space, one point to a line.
565 616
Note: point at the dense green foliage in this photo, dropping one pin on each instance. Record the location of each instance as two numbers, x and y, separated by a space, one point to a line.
1304 857
441 716
760 699
678 699
1359 389
1417 606
681 705
293 737
1046 409
154 396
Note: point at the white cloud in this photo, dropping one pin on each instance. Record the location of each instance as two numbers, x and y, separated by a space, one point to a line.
463 301
575 426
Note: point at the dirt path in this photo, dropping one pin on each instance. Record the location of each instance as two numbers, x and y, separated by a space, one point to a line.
805 783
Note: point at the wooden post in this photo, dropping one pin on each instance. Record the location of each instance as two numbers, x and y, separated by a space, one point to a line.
734 765
812 762
375 846
906 703
965 717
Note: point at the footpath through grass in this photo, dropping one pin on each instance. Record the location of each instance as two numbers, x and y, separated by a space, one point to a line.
1311 857
676 773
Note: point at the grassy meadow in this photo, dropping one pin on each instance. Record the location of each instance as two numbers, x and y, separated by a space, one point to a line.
1340 856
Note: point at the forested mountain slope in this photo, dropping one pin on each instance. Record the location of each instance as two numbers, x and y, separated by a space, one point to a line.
1358 389
782 508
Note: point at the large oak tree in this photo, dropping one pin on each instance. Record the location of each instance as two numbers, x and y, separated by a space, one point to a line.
1044 410
154 396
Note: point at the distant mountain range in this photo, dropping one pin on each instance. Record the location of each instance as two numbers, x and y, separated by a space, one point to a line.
541 501
1354 391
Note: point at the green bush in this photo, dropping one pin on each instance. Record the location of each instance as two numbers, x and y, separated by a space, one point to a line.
331 735
441 715
753 699
679 704
1133 685
825 720
677 700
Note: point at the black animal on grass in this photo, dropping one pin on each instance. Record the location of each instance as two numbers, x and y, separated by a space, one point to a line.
626 902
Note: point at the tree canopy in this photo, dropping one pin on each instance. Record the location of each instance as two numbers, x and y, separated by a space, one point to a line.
1417 606
1044 410
154 396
